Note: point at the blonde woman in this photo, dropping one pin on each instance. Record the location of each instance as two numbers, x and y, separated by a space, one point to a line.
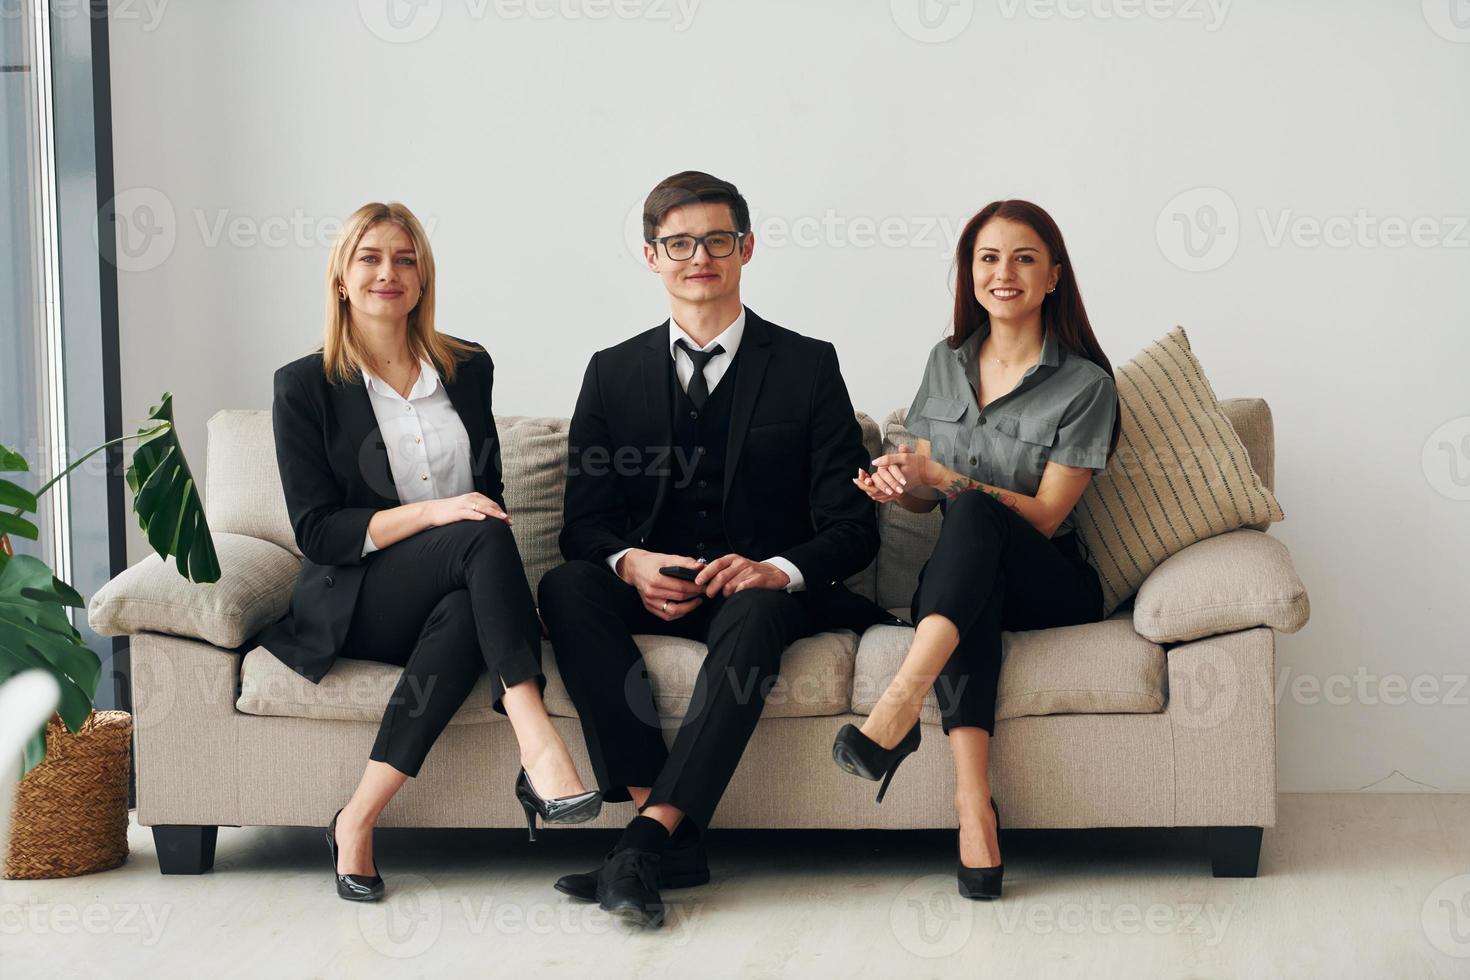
390 462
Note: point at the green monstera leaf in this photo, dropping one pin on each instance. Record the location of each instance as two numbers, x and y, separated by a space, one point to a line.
35 633
166 499
15 496
35 628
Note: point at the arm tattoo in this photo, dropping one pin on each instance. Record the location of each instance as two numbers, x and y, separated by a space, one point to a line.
963 484
959 485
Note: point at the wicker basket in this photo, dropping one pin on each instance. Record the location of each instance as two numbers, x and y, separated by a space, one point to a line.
71 811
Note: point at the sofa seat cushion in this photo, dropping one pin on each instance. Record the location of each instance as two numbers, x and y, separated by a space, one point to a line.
254 590
815 680
1095 668
353 690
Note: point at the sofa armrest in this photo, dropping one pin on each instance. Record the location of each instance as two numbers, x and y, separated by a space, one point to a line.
254 590
1232 581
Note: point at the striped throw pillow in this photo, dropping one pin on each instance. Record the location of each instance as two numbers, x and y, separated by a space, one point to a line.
1180 473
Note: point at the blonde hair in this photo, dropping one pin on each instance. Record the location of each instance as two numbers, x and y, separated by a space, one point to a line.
342 352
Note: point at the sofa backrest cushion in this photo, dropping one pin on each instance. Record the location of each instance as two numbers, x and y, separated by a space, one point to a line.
533 460
909 538
243 485
1180 474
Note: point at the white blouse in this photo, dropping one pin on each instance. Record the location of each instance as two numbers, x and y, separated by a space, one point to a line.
428 447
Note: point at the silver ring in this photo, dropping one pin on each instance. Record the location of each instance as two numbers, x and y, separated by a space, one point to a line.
666 605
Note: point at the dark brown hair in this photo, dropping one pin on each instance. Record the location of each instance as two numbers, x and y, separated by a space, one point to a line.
692 187
1062 311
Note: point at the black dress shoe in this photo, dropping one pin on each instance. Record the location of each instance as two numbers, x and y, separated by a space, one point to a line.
627 887
982 883
861 756
564 809
678 867
353 888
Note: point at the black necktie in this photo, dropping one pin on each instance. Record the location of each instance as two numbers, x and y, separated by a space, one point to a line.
698 386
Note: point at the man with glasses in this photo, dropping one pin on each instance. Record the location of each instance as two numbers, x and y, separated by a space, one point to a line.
709 496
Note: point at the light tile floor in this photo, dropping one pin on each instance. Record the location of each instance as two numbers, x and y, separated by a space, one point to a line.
1352 885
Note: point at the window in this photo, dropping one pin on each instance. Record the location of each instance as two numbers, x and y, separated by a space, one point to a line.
58 323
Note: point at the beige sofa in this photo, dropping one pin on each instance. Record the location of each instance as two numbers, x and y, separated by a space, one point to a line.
1161 715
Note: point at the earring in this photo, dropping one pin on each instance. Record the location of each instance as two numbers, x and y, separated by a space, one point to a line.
341 291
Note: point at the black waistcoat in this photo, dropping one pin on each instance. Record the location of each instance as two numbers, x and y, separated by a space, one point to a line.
692 520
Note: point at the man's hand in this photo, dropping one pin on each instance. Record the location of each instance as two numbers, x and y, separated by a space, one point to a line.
666 597
730 574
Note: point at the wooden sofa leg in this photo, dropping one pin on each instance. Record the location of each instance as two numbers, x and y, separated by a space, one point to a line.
184 849
1235 852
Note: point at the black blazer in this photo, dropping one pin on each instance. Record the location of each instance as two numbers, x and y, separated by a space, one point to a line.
335 473
793 449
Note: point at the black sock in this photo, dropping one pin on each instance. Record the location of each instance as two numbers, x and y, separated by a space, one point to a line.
645 834
685 834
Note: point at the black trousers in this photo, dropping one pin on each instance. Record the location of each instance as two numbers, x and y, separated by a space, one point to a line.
592 615
447 604
991 570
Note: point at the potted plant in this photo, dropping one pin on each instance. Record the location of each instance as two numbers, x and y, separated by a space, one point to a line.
71 804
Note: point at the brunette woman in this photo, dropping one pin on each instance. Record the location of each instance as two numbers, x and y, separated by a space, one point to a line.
1016 411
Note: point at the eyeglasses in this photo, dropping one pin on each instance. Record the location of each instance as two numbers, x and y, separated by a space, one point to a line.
681 248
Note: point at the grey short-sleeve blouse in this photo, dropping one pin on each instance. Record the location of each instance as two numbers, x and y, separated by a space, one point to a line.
1062 409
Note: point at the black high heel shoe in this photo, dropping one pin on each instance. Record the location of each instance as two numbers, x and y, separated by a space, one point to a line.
854 752
353 888
564 809
983 883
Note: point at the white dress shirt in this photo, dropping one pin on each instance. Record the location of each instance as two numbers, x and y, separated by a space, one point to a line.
428 447
714 371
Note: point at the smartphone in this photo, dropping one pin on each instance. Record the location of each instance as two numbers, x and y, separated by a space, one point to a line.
679 572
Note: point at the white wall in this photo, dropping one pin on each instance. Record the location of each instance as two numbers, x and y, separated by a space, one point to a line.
528 142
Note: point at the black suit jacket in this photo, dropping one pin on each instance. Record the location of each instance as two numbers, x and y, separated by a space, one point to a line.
335 473
793 449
